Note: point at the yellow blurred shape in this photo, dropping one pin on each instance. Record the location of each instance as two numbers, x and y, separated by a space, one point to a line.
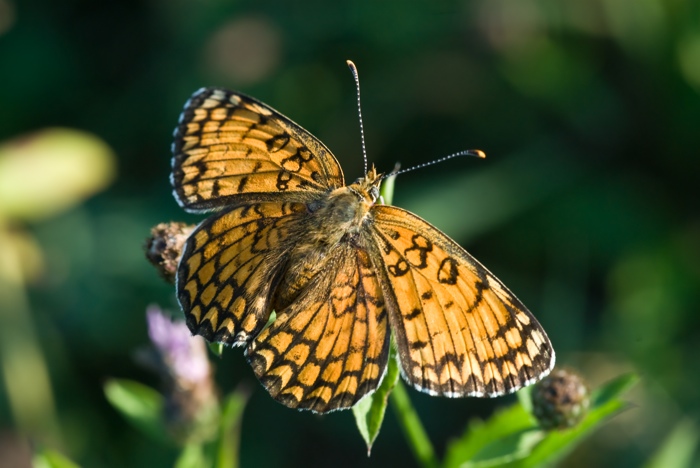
46 172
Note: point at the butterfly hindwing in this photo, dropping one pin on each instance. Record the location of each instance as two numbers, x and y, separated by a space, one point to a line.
228 146
329 348
459 330
229 266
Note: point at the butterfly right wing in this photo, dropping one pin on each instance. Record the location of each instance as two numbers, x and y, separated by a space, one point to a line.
459 330
229 267
229 145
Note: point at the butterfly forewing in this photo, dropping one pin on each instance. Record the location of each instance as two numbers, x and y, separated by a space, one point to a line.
229 147
229 267
459 331
330 347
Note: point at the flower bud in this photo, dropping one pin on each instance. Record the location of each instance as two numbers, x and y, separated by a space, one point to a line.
560 400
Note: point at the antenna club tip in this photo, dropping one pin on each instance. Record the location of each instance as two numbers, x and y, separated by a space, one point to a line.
351 64
478 153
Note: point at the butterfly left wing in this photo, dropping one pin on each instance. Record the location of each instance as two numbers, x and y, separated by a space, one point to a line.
459 330
330 347
230 148
229 268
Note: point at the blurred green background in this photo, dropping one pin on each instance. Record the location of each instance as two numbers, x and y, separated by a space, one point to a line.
586 206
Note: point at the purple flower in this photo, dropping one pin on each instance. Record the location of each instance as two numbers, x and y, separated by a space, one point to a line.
184 355
191 401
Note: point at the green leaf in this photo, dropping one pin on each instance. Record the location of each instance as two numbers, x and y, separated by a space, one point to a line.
192 456
52 459
613 389
509 434
230 429
678 448
387 190
369 412
139 404
216 348
512 438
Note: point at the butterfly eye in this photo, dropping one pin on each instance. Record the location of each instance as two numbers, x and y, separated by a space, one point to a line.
374 193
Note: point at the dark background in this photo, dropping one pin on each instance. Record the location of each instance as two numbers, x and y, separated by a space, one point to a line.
586 205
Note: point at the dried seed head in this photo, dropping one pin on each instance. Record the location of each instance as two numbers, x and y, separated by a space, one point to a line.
164 247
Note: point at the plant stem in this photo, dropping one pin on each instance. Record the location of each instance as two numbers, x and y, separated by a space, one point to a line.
412 427
230 431
23 366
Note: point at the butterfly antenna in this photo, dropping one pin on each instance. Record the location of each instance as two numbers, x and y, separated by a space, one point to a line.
473 152
355 76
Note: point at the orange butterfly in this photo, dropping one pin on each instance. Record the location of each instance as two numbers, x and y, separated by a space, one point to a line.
339 269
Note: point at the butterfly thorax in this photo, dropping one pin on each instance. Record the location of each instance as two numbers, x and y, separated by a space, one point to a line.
336 218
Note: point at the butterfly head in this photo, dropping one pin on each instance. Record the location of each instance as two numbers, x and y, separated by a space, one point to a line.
368 186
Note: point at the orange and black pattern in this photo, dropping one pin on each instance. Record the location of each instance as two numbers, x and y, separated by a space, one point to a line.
330 347
460 331
341 271
228 145
228 267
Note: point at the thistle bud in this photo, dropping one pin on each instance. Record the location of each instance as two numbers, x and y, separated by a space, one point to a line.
560 400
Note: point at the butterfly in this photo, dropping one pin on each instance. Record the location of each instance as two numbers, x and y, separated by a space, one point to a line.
340 270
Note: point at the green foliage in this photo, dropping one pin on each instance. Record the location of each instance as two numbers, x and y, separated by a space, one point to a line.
230 430
369 412
511 437
387 189
141 405
217 349
192 456
413 429
678 448
503 437
52 459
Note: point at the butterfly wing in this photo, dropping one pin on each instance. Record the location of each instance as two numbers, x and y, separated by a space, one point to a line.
459 330
229 267
330 347
228 145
